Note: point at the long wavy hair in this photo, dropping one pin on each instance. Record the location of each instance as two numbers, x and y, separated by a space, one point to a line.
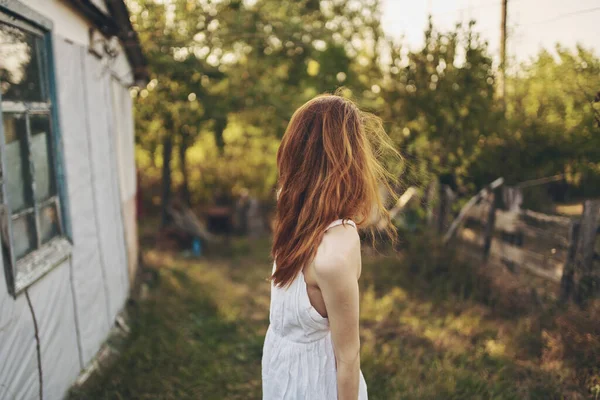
329 168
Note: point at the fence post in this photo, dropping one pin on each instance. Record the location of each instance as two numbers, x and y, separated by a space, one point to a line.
566 282
588 279
472 201
489 226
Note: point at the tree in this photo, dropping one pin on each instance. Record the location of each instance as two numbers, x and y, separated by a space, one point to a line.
440 104
552 117
214 61
228 74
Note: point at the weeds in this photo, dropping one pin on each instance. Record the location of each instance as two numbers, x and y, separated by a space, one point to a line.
432 327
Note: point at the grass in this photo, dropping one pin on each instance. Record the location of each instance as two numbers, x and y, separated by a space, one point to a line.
432 328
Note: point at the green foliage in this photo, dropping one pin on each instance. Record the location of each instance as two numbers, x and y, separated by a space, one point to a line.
552 118
225 66
233 66
551 122
441 101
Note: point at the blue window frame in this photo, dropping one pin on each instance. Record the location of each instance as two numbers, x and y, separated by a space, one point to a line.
32 196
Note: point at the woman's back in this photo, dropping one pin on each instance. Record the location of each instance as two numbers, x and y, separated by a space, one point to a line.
298 357
329 168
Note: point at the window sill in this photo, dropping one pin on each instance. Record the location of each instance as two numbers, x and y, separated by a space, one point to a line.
37 264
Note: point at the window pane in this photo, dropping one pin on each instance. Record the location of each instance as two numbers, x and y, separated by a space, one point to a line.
40 154
48 223
23 235
16 162
19 65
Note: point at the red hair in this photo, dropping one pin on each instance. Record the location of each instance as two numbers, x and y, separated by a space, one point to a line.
328 170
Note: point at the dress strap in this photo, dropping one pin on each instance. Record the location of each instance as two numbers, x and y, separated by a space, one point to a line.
340 222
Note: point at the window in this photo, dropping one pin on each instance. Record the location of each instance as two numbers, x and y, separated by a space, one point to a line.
31 225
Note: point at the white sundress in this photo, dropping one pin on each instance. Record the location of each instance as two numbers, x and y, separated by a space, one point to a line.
298 361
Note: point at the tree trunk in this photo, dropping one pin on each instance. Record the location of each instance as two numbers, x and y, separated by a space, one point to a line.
219 127
185 187
166 177
153 145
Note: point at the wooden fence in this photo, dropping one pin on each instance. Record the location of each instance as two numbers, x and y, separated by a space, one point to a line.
494 228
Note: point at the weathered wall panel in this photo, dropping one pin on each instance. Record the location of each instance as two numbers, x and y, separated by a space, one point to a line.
124 139
105 189
18 357
89 283
114 115
76 302
52 301
67 22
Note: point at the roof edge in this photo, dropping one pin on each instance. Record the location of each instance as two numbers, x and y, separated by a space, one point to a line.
129 39
117 24
102 21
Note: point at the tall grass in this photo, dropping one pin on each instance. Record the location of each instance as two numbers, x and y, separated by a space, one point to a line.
433 326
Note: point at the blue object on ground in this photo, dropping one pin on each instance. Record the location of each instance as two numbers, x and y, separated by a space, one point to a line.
197 247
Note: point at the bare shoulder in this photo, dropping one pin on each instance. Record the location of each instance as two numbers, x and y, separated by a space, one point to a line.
338 253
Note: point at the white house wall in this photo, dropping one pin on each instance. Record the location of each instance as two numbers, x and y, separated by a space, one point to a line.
75 304
18 368
111 237
68 23
89 274
124 137
52 300
121 70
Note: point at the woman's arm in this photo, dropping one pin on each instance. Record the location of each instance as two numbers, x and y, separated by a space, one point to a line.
336 273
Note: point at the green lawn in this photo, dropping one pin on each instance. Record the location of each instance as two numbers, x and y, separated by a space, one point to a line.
431 329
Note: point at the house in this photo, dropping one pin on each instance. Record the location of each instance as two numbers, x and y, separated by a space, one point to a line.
68 185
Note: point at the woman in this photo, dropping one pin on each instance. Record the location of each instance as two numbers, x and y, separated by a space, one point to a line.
329 181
